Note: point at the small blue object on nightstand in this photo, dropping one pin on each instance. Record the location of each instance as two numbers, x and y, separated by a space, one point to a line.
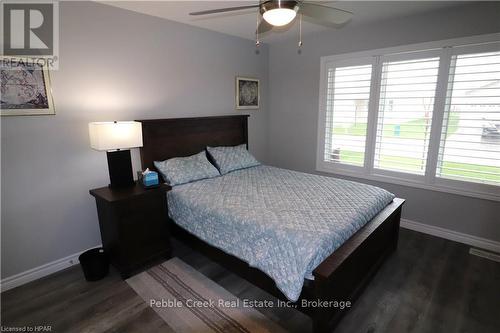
150 178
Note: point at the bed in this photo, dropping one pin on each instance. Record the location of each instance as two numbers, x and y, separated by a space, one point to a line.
295 260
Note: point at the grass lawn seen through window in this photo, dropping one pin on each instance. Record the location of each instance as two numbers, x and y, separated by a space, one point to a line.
413 129
449 169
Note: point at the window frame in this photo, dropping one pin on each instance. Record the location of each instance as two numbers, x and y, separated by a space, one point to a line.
444 50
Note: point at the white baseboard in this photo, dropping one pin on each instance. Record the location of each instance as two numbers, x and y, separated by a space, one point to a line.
456 236
40 271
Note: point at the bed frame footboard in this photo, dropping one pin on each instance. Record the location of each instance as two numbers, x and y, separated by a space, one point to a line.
347 271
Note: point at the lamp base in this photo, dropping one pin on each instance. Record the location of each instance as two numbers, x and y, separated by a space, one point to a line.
120 169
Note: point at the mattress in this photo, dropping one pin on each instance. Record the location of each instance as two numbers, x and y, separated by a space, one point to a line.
283 222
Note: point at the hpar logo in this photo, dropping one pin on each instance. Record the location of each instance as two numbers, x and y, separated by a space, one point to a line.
31 29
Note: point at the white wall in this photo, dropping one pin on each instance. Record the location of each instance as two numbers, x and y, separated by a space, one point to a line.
114 65
120 65
294 91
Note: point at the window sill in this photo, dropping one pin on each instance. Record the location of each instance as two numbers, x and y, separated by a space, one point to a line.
458 190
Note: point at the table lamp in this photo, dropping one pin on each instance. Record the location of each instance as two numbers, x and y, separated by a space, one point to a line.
116 138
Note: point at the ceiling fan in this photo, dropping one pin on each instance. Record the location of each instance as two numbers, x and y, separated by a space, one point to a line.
277 13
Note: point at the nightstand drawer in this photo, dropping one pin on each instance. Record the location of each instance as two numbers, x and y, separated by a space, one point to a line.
143 217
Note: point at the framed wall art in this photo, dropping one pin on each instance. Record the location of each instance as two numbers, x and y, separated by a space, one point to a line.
25 88
247 93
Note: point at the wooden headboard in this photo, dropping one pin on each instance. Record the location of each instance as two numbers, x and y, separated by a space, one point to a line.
180 137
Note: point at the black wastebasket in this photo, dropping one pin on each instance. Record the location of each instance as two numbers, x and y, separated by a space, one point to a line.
95 264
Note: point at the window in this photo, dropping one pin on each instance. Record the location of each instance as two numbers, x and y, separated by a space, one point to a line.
347 114
407 93
425 115
470 145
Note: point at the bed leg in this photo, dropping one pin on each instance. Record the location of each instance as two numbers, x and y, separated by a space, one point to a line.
321 323
395 239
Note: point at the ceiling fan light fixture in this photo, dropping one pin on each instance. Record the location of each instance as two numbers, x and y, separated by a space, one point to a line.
279 13
280 16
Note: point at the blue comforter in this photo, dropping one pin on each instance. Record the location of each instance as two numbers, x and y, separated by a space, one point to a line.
283 222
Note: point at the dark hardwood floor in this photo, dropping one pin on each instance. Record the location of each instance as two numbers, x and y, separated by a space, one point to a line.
428 285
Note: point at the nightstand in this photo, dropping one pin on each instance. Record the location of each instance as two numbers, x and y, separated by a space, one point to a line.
134 226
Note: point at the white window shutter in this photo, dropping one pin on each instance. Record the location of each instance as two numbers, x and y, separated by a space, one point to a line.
470 139
347 99
407 93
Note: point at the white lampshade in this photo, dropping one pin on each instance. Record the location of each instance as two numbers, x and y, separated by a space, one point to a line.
115 135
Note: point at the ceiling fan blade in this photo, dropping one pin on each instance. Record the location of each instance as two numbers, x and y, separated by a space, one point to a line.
324 13
222 10
263 27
